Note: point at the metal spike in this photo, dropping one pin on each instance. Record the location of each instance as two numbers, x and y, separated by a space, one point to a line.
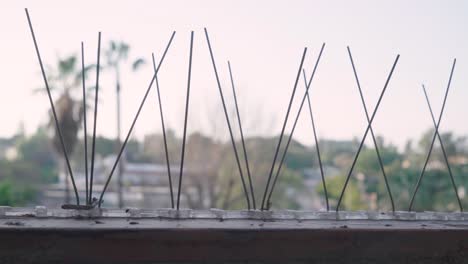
294 127
57 126
189 78
367 131
134 121
317 148
242 137
93 148
443 149
264 206
444 153
227 120
418 183
85 130
371 130
164 134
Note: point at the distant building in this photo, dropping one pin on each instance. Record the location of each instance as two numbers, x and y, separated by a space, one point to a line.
145 185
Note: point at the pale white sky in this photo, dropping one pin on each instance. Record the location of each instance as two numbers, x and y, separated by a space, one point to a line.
264 41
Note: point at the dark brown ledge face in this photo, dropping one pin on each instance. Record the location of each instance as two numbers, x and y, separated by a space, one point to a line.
214 236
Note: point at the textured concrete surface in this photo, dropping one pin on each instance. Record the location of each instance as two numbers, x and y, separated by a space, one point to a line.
41 211
41 235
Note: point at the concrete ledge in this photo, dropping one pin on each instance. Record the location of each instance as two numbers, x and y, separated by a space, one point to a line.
41 235
165 213
139 223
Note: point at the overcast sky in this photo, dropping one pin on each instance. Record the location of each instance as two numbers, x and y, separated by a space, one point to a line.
264 41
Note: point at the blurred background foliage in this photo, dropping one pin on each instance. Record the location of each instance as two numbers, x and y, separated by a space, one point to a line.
28 163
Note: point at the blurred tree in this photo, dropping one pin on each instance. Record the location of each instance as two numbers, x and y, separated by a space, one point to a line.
299 156
338 153
37 150
352 199
154 152
436 190
18 182
212 178
65 77
403 170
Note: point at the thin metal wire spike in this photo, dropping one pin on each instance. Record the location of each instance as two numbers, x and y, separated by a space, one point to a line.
317 148
285 151
282 130
93 148
57 126
85 130
134 121
227 121
367 131
436 133
418 183
443 149
164 134
246 159
371 130
187 100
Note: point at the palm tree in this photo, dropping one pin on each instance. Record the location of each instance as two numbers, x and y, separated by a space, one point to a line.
116 55
64 77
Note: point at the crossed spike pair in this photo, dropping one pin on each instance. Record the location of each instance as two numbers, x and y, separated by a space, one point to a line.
436 135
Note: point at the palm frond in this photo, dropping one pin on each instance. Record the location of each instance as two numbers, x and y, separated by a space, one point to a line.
138 63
